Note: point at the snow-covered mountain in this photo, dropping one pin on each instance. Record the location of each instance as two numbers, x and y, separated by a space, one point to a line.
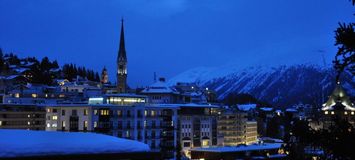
280 86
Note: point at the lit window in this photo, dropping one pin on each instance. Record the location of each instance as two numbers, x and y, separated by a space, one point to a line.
332 112
54 117
0 123
145 124
346 113
95 112
205 142
48 125
48 110
119 112
34 95
152 113
54 125
86 124
95 124
352 113
105 112
145 113
17 95
29 116
28 123
63 123
172 123
86 112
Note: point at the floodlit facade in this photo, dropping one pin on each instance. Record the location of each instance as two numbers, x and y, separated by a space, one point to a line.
338 105
234 128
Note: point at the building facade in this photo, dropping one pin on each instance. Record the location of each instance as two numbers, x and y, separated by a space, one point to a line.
234 128
21 116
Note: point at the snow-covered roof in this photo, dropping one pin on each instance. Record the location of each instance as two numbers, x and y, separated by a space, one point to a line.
291 110
339 97
16 143
241 148
246 107
128 95
20 70
266 109
194 105
55 70
159 87
274 140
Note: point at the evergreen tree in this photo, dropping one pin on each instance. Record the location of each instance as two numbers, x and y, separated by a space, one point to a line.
345 41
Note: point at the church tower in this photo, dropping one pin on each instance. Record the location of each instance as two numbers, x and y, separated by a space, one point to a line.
122 64
104 76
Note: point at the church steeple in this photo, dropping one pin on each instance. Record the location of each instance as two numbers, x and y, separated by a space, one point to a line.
122 64
122 50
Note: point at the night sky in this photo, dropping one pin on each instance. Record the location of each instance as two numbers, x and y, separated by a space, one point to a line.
171 36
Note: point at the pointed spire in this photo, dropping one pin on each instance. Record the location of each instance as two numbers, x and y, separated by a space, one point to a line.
122 50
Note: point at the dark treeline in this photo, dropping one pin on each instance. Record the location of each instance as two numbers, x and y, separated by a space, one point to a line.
44 71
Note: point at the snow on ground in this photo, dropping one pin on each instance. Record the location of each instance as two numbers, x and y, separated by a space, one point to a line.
14 143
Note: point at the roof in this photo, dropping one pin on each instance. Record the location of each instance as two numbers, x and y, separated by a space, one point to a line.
159 87
194 105
266 109
15 143
246 107
241 148
126 95
338 98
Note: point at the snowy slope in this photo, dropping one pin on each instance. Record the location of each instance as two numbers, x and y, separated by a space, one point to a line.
14 143
282 85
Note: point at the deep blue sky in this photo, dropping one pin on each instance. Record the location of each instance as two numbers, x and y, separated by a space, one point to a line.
171 36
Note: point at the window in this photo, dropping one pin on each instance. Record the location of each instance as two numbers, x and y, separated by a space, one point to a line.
17 95
63 124
332 112
95 124
28 123
326 112
128 113
34 95
95 112
48 110
48 125
54 117
63 112
104 112
54 110
0 123
85 125
119 113
205 142
86 112
153 113
127 133
54 125
145 113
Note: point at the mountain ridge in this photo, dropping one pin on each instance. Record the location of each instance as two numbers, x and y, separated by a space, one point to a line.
282 85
